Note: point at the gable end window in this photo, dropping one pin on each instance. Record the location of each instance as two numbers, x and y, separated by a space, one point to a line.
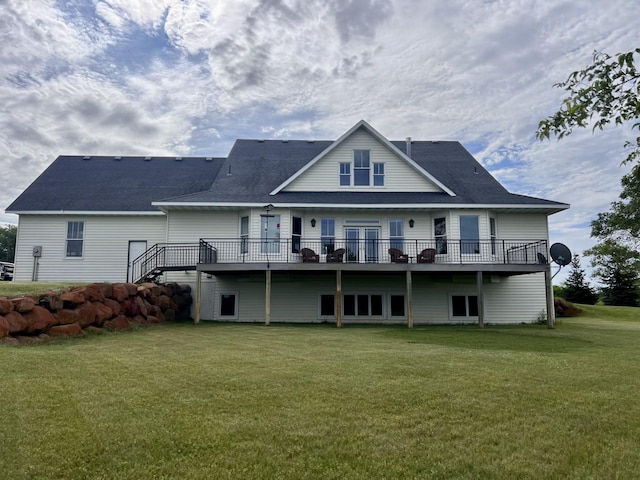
361 168
378 174
75 239
345 174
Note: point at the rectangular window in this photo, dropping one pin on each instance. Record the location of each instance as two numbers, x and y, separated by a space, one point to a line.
464 306
396 305
492 234
327 306
228 305
363 305
345 174
361 167
327 235
469 234
440 234
75 239
270 233
396 233
296 234
378 174
244 235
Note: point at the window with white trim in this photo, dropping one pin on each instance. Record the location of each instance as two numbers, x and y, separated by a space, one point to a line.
440 234
493 235
327 305
345 174
75 239
378 174
397 306
363 305
463 306
470 234
296 234
327 234
361 168
244 234
228 306
396 233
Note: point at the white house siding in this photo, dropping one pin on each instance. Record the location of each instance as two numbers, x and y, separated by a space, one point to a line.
514 226
324 175
516 299
105 246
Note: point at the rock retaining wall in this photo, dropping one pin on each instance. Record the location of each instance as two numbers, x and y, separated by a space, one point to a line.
112 306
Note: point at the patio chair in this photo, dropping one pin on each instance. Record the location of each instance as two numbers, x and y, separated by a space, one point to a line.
336 256
428 255
397 256
309 256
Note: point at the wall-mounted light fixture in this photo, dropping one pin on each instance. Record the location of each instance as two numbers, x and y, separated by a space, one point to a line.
313 222
412 222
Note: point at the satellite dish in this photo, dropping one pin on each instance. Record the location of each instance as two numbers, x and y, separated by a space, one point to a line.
560 254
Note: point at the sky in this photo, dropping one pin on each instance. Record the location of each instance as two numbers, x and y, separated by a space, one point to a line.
188 77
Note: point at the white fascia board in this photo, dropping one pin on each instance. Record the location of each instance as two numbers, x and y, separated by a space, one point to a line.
81 212
382 140
377 206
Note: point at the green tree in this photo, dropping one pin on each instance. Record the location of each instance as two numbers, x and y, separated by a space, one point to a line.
8 243
617 267
607 91
576 287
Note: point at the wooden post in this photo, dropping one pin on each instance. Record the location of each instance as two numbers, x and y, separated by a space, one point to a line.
409 300
338 298
480 301
267 306
196 320
551 311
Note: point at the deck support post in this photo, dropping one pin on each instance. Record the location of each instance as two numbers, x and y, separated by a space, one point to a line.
267 305
196 320
480 300
409 300
549 294
338 298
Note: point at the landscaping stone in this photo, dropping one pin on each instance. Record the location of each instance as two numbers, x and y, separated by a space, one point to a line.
66 316
119 323
119 292
92 293
71 299
51 301
87 314
6 306
70 330
4 327
16 321
93 330
23 304
39 319
10 341
113 305
103 313
132 288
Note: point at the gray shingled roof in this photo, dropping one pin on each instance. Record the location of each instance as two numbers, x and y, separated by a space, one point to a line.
112 184
252 170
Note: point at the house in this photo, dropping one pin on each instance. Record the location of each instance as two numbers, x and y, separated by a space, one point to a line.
360 229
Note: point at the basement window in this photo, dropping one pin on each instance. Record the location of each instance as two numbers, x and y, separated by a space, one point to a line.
463 306
75 239
228 306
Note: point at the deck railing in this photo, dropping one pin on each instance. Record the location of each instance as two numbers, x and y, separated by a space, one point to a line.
373 250
165 256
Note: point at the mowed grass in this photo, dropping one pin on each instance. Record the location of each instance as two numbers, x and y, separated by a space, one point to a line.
217 401
16 289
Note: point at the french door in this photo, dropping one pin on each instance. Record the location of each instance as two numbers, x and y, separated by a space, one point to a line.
362 244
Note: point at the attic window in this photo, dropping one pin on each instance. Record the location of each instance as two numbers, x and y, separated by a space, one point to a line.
361 167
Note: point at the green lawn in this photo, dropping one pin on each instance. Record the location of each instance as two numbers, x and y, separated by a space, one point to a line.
217 401
16 289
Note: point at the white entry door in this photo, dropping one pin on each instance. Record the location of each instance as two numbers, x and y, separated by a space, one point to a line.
362 244
136 248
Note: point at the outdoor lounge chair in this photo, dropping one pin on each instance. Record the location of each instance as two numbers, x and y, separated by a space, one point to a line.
397 256
336 256
428 255
309 256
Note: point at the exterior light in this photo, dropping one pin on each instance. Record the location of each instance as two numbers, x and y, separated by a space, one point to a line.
313 222
412 222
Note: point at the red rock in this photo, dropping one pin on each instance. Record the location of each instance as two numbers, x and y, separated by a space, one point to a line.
170 315
113 305
39 319
92 293
132 289
51 301
87 313
66 316
119 323
164 302
4 327
119 292
6 306
23 304
73 298
10 341
70 330
28 340
103 313
17 322
105 288
130 307
143 291
93 330
138 319
153 319
44 337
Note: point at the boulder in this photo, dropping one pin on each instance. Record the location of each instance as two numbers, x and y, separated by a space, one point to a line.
92 293
44 337
132 288
103 312
16 321
93 330
4 327
39 319
139 319
23 304
113 305
152 319
10 341
142 306
119 323
70 330
87 313
105 288
51 301
119 292
71 299
66 316
6 306
170 315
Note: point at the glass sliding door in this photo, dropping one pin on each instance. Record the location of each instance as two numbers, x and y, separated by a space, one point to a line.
362 244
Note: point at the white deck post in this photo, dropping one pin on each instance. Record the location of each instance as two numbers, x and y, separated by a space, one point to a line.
409 300
267 307
198 296
338 298
480 301
551 311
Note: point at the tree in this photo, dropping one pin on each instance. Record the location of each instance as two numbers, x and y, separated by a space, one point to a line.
576 288
607 91
617 267
8 243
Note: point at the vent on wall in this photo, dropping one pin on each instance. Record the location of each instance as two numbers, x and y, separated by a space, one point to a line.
117 158
147 159
86 158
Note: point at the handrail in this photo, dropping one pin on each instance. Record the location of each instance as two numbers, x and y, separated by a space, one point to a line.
163 256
